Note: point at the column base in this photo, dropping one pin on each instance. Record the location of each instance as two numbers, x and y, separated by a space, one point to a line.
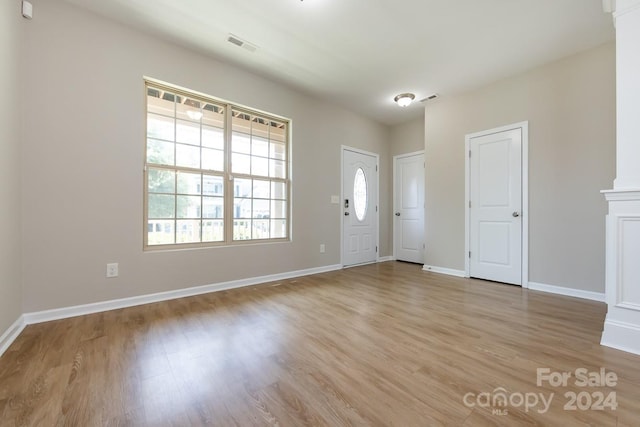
622 325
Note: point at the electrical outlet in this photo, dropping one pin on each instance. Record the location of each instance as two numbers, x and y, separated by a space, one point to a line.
112 270
322 248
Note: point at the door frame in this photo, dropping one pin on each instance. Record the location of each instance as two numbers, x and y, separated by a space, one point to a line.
393 201
524 127
344 148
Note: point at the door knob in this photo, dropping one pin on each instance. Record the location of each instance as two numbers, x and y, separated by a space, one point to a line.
397 213
346 214
515 214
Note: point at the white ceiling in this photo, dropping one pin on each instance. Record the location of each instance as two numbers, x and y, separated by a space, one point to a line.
361 53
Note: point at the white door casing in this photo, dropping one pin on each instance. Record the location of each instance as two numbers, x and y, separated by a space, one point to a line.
408 207
496 214
359 207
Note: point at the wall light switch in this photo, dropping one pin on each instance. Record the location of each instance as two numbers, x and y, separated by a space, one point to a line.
322 248
27 9
335 200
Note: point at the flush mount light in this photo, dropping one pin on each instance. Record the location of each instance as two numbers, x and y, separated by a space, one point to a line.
404 99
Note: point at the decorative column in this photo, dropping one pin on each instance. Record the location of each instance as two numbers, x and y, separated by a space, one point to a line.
622 324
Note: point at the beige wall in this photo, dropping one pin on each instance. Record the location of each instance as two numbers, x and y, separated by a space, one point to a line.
570 106
407 137
10 259
83 149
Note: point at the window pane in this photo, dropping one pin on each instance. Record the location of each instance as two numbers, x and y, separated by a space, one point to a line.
260 166
160 152
278 228
212 207
277 132
242 208
241 122
212 231
213 115
212 159
164 236
189 109
277 151
161 206
259 127
189 206
277 169
189 183
156 104
260 208
242 230
240 143
212 185
188 132
360 194
278 209
187 156
188 231
260 147
160 127
242 187
261 189
161 181
241 163
278 190
212 137
261 229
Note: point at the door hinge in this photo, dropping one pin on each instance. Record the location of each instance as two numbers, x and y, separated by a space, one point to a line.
469 254
469 153
424 246
376 168
376 209
469 203
376 249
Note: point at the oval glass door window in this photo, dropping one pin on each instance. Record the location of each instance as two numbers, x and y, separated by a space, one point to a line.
360 196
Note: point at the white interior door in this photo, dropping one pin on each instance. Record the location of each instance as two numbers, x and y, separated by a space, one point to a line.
495 212
360 206
408 207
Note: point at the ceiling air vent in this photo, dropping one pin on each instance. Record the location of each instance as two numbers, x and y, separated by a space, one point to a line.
430 97
241 43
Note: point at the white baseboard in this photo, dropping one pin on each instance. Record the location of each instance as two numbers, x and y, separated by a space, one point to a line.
443 270
570 292
621 336
11 334
79 310
386 258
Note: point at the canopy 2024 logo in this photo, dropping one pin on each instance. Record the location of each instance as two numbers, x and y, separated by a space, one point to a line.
592 398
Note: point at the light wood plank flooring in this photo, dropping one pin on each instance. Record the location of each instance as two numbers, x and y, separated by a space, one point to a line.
379 345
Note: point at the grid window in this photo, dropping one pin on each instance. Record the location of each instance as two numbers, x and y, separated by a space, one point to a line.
210 178
259 164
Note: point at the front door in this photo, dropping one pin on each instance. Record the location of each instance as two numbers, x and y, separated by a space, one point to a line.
495 210
359 207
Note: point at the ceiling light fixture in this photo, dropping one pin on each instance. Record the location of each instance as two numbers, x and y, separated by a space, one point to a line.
404 99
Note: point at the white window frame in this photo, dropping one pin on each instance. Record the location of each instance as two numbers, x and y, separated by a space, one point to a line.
227 175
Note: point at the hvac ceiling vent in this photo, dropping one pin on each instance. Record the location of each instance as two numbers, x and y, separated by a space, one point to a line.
430 97
241 43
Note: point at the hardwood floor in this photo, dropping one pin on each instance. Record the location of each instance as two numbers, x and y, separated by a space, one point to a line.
381 345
